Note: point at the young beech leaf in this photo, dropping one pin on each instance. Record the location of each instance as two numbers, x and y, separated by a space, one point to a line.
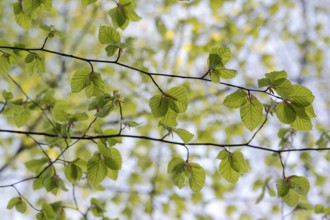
73 172
96 170
176 169
96 87
292 188
237 99
48 211
232 165
13 201
273 76
80 80
178 99
158 105
302 121
108 35
301 96
285 113
196 176
169 119
223 52
251 113
185 135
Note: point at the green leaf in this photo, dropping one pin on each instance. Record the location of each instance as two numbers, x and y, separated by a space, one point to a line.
4 63
96 87
13 202
196 177
36 64
251 113
319 208
285 112
302 122
111 49
7 95
238 162
112 158
236 99
301 96
214 60
108 35
225 73
36 165
282 187
227 171
85 3
169 119
291 198
273 76
263 82
158 105
178 101
118 17
299 184
80 80
113 140
185 135
73 172
113 174
96 170
48 211
21 18
223 52
59 111
176 169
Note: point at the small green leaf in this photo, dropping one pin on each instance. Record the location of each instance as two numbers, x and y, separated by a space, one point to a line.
158 105
178 99
118 17
108 35
302 121
251 113
169 119
291 198
36 165
285 113
238 162
96 170
176 169
185 135
226 73
223 52
282 187
73 172
196 177
111 49
273 76
263 82
236 99
13 202
80 80
112 159
85 3
21 18
227 171
48 211
96 87
301 96
214 60
319 208
299 184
